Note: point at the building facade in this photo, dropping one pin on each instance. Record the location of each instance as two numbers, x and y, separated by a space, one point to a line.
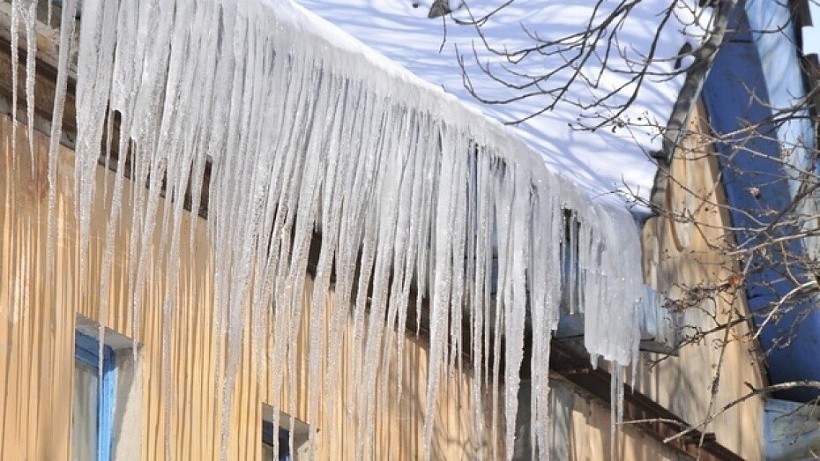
132 323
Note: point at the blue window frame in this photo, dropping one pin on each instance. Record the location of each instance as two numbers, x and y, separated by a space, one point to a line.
87 355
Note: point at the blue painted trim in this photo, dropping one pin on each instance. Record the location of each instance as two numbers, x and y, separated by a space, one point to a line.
87 352
737 70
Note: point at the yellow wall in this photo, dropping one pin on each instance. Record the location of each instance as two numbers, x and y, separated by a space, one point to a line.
36 345
679 256
582 430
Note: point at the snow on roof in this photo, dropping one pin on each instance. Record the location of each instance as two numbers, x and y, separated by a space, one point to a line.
599 162
420 89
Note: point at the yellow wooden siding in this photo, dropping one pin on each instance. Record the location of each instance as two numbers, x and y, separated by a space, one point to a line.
672 262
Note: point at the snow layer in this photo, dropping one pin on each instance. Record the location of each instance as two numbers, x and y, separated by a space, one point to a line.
608 159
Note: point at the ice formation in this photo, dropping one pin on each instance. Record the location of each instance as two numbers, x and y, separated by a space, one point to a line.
309 134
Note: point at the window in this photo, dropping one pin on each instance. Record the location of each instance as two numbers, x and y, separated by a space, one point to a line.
108 399
267 443
285 452
93 411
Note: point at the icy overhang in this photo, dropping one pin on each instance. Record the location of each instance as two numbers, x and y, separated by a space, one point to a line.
594 162
306 128
602 221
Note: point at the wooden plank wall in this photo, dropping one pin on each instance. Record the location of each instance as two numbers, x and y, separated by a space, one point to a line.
679 255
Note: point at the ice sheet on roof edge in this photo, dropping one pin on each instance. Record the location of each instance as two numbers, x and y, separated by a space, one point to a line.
168 80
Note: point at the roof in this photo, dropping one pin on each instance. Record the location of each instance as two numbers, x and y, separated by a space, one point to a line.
612 157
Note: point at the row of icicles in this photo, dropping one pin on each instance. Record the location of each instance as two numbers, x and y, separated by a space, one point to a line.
409 192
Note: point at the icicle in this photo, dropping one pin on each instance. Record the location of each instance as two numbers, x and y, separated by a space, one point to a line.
483 254
616 408
544 265
391 170
442 289
331 211
458 255
29 10
66 34
95 63
15 62
572 245
513 240
346 253
410 221
397 303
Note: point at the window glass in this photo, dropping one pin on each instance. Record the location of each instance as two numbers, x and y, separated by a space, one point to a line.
292 437
84 413
267 443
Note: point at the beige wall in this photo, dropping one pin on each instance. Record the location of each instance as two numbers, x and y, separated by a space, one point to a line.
35 374
581 430
681 255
